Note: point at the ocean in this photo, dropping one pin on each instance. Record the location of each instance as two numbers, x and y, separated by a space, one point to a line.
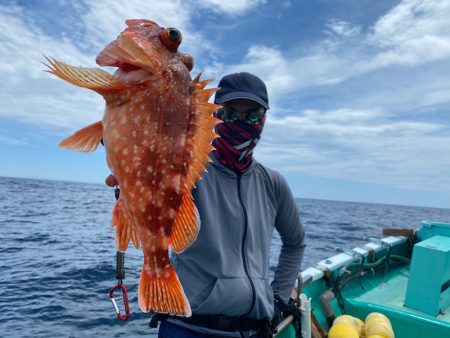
57 254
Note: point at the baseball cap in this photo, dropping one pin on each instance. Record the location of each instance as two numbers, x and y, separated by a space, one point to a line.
242 86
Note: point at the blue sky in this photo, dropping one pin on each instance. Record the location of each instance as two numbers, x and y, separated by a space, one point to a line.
359 89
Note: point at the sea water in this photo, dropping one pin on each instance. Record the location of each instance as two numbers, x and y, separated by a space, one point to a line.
57 254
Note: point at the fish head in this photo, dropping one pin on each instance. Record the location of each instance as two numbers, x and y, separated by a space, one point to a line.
145 51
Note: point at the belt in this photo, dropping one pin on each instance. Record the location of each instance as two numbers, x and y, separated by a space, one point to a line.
221 322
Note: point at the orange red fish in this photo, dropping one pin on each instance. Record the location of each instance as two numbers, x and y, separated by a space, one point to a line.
157 130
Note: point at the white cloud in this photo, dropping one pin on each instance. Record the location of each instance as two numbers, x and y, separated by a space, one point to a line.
365 146
342 28
13 140
230 7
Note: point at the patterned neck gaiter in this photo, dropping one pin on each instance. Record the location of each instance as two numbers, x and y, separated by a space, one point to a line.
234 147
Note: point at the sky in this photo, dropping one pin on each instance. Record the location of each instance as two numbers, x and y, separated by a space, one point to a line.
359 90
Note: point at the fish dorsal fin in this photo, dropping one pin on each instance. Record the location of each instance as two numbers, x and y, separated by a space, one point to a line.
186 224
201 135
199 138
92 78
125 230
86 139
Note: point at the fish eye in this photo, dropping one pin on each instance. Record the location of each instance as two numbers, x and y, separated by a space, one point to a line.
174 34
171 38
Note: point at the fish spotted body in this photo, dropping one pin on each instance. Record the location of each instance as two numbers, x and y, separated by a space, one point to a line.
157 132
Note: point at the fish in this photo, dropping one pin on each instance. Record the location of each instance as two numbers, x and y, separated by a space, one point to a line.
157 131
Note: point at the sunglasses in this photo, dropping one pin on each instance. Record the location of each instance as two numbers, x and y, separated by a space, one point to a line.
252 116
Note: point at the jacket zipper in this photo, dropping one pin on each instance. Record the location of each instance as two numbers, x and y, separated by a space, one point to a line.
244 257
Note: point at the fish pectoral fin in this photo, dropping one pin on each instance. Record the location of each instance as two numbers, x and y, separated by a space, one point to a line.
186 224
86 139
92 78
124 227
162 292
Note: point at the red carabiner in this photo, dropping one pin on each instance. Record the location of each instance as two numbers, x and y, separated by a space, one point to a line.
125 301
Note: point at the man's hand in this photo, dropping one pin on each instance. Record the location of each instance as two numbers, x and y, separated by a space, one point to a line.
111 181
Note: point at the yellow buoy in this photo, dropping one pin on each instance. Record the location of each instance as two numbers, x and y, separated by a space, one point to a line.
375 336
377 315
357 323
379 326
342 331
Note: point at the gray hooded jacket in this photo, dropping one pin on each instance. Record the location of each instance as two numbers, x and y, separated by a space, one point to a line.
226 270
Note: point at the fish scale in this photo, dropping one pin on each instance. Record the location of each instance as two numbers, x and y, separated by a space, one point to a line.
157 130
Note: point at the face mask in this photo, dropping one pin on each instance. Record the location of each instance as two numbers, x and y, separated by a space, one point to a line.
234 147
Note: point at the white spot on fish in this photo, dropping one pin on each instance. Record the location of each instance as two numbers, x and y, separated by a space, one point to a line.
146 132
134 133
159 218
176 183
171 213
142 189
137 119
123 120
149 169
143 209
149 218
127 169
138 173
125 151
142 107
138 183
181 140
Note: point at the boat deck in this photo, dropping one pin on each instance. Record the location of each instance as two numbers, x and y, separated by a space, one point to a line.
386 293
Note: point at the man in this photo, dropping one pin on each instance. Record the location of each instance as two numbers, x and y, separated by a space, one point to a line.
225 272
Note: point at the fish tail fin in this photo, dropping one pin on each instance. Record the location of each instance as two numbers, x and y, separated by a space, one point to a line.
186 224
124 227
86 139
92 78
162 292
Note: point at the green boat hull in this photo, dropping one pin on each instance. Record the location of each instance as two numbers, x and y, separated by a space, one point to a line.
378 287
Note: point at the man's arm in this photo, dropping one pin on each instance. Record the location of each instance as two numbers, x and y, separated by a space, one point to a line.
292 235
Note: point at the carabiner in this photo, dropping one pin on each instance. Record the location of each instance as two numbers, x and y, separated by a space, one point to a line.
125 301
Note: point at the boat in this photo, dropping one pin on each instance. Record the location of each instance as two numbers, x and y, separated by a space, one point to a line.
404 274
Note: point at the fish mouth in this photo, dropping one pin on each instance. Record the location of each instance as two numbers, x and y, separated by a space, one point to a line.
131 74
127 71
134 64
